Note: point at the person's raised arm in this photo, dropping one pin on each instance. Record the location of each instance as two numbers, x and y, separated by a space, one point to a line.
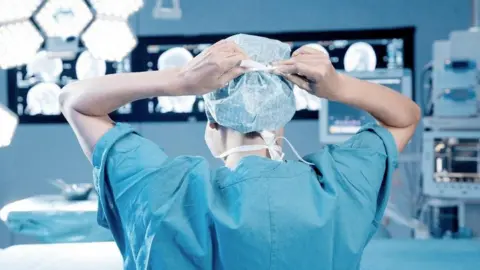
86 104
312 70
396 112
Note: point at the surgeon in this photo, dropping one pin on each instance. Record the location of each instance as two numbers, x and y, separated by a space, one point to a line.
259 211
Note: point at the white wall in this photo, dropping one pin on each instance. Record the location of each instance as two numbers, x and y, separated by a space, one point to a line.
43 152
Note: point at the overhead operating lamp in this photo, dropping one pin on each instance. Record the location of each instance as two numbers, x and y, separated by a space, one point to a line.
19 42
120 9
63 18
109 39
8 124
15 10
19 39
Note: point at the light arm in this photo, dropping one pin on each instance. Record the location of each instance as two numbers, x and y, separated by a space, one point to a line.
86 104
399 114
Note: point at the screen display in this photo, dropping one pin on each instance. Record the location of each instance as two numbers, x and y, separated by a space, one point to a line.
346 120
35 87
151 56
457 160
349 51
360 55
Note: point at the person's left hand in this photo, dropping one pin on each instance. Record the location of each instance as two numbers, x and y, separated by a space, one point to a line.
311 70
213 68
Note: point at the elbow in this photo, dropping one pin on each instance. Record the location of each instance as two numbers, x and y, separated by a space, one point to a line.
410 117
416 114
66 98
62 99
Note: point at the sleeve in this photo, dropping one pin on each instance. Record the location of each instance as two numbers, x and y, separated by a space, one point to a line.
367 162
122 162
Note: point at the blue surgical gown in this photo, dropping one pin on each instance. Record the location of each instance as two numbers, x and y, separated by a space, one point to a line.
179 213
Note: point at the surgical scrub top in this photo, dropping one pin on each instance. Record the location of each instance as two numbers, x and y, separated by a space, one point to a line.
179 213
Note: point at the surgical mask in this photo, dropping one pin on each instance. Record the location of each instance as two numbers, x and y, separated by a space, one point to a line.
274 150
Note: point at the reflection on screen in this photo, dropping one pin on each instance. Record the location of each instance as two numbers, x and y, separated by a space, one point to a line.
162 56
351 55
359 55
346 120
35 87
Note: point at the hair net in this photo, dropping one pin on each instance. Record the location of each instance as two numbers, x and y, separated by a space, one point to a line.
257 100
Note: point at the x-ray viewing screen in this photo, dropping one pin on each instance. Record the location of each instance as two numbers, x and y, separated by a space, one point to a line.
153 54
343 119
34 88
350 56
348 50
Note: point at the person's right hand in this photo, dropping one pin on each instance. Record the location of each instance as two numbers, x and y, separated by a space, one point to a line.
311 70
213 68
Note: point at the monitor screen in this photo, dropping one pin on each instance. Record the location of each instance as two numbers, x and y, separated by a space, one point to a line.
33 88
339 121
154 54
348 50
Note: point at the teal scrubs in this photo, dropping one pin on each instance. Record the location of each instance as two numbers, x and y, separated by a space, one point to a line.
179 213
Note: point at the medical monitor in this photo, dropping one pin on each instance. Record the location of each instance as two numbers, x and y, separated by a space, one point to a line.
338 121
451 164
388 49
33 89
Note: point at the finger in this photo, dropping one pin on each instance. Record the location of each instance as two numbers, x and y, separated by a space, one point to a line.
290 61
297 80
229 61
306 50
218 43
226 44
285 69
215 47
240 50
231 46
309 69
293 67
232 74
301 59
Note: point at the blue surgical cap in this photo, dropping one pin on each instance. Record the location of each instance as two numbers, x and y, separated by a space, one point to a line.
255 101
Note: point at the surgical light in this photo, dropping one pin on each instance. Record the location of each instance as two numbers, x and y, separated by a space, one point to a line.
64 18
19 43
121 9
109 40
8 124
17 10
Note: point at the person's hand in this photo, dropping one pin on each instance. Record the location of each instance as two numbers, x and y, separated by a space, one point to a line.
213 68
311 70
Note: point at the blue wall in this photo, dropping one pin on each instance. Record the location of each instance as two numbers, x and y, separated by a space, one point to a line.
43 152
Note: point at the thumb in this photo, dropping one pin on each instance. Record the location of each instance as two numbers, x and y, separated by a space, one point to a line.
232 74
299 81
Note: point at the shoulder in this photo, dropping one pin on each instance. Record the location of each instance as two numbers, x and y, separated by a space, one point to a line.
374 138
372 141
